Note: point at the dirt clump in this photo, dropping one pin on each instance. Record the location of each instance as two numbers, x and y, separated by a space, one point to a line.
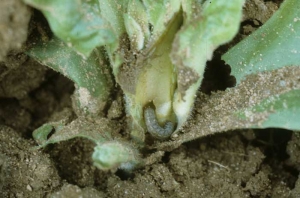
14 19
24 171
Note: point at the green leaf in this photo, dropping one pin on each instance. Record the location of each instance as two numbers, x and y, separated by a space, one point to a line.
266 99
41 134
267 94
135 33
115 154
112 11
274 45
217 23
98 131
85 73
191 9
160 14
283 111
136 23
90 75
108 153
77 22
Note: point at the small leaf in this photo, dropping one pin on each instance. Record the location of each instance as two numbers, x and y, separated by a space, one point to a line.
108 153
98 131
90 75
135 33
41 134
136 21
112 11
77 22
115 154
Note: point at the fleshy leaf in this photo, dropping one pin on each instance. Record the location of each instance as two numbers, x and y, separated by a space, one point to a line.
157 76
115 154
191 9
112 11
40 135
154 81
136 23
216 24
77 22
274 45
89 75
108 153
160 14
266 99
262 98
97 132
283 111
135 33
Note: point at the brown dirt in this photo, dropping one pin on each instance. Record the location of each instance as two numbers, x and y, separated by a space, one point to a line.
24 172
241 163
14 18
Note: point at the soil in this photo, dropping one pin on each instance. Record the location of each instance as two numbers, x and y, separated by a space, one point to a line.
240 163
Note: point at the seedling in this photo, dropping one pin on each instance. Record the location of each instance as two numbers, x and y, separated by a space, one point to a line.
156 50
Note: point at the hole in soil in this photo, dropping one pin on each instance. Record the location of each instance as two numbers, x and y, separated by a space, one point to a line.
273 142
166 158
11 18
124 175
243 184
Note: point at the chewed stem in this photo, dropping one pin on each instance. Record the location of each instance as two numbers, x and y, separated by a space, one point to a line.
154 128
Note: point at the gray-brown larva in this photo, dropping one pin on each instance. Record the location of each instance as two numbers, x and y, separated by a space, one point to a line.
154 128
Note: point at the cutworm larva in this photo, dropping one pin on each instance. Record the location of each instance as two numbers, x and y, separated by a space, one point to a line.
154 128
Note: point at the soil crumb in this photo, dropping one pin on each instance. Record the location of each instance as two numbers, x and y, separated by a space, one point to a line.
14 19
24 171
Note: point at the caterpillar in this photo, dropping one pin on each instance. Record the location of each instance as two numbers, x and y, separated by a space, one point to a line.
153 126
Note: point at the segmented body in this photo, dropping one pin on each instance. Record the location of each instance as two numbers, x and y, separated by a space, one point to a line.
153 126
